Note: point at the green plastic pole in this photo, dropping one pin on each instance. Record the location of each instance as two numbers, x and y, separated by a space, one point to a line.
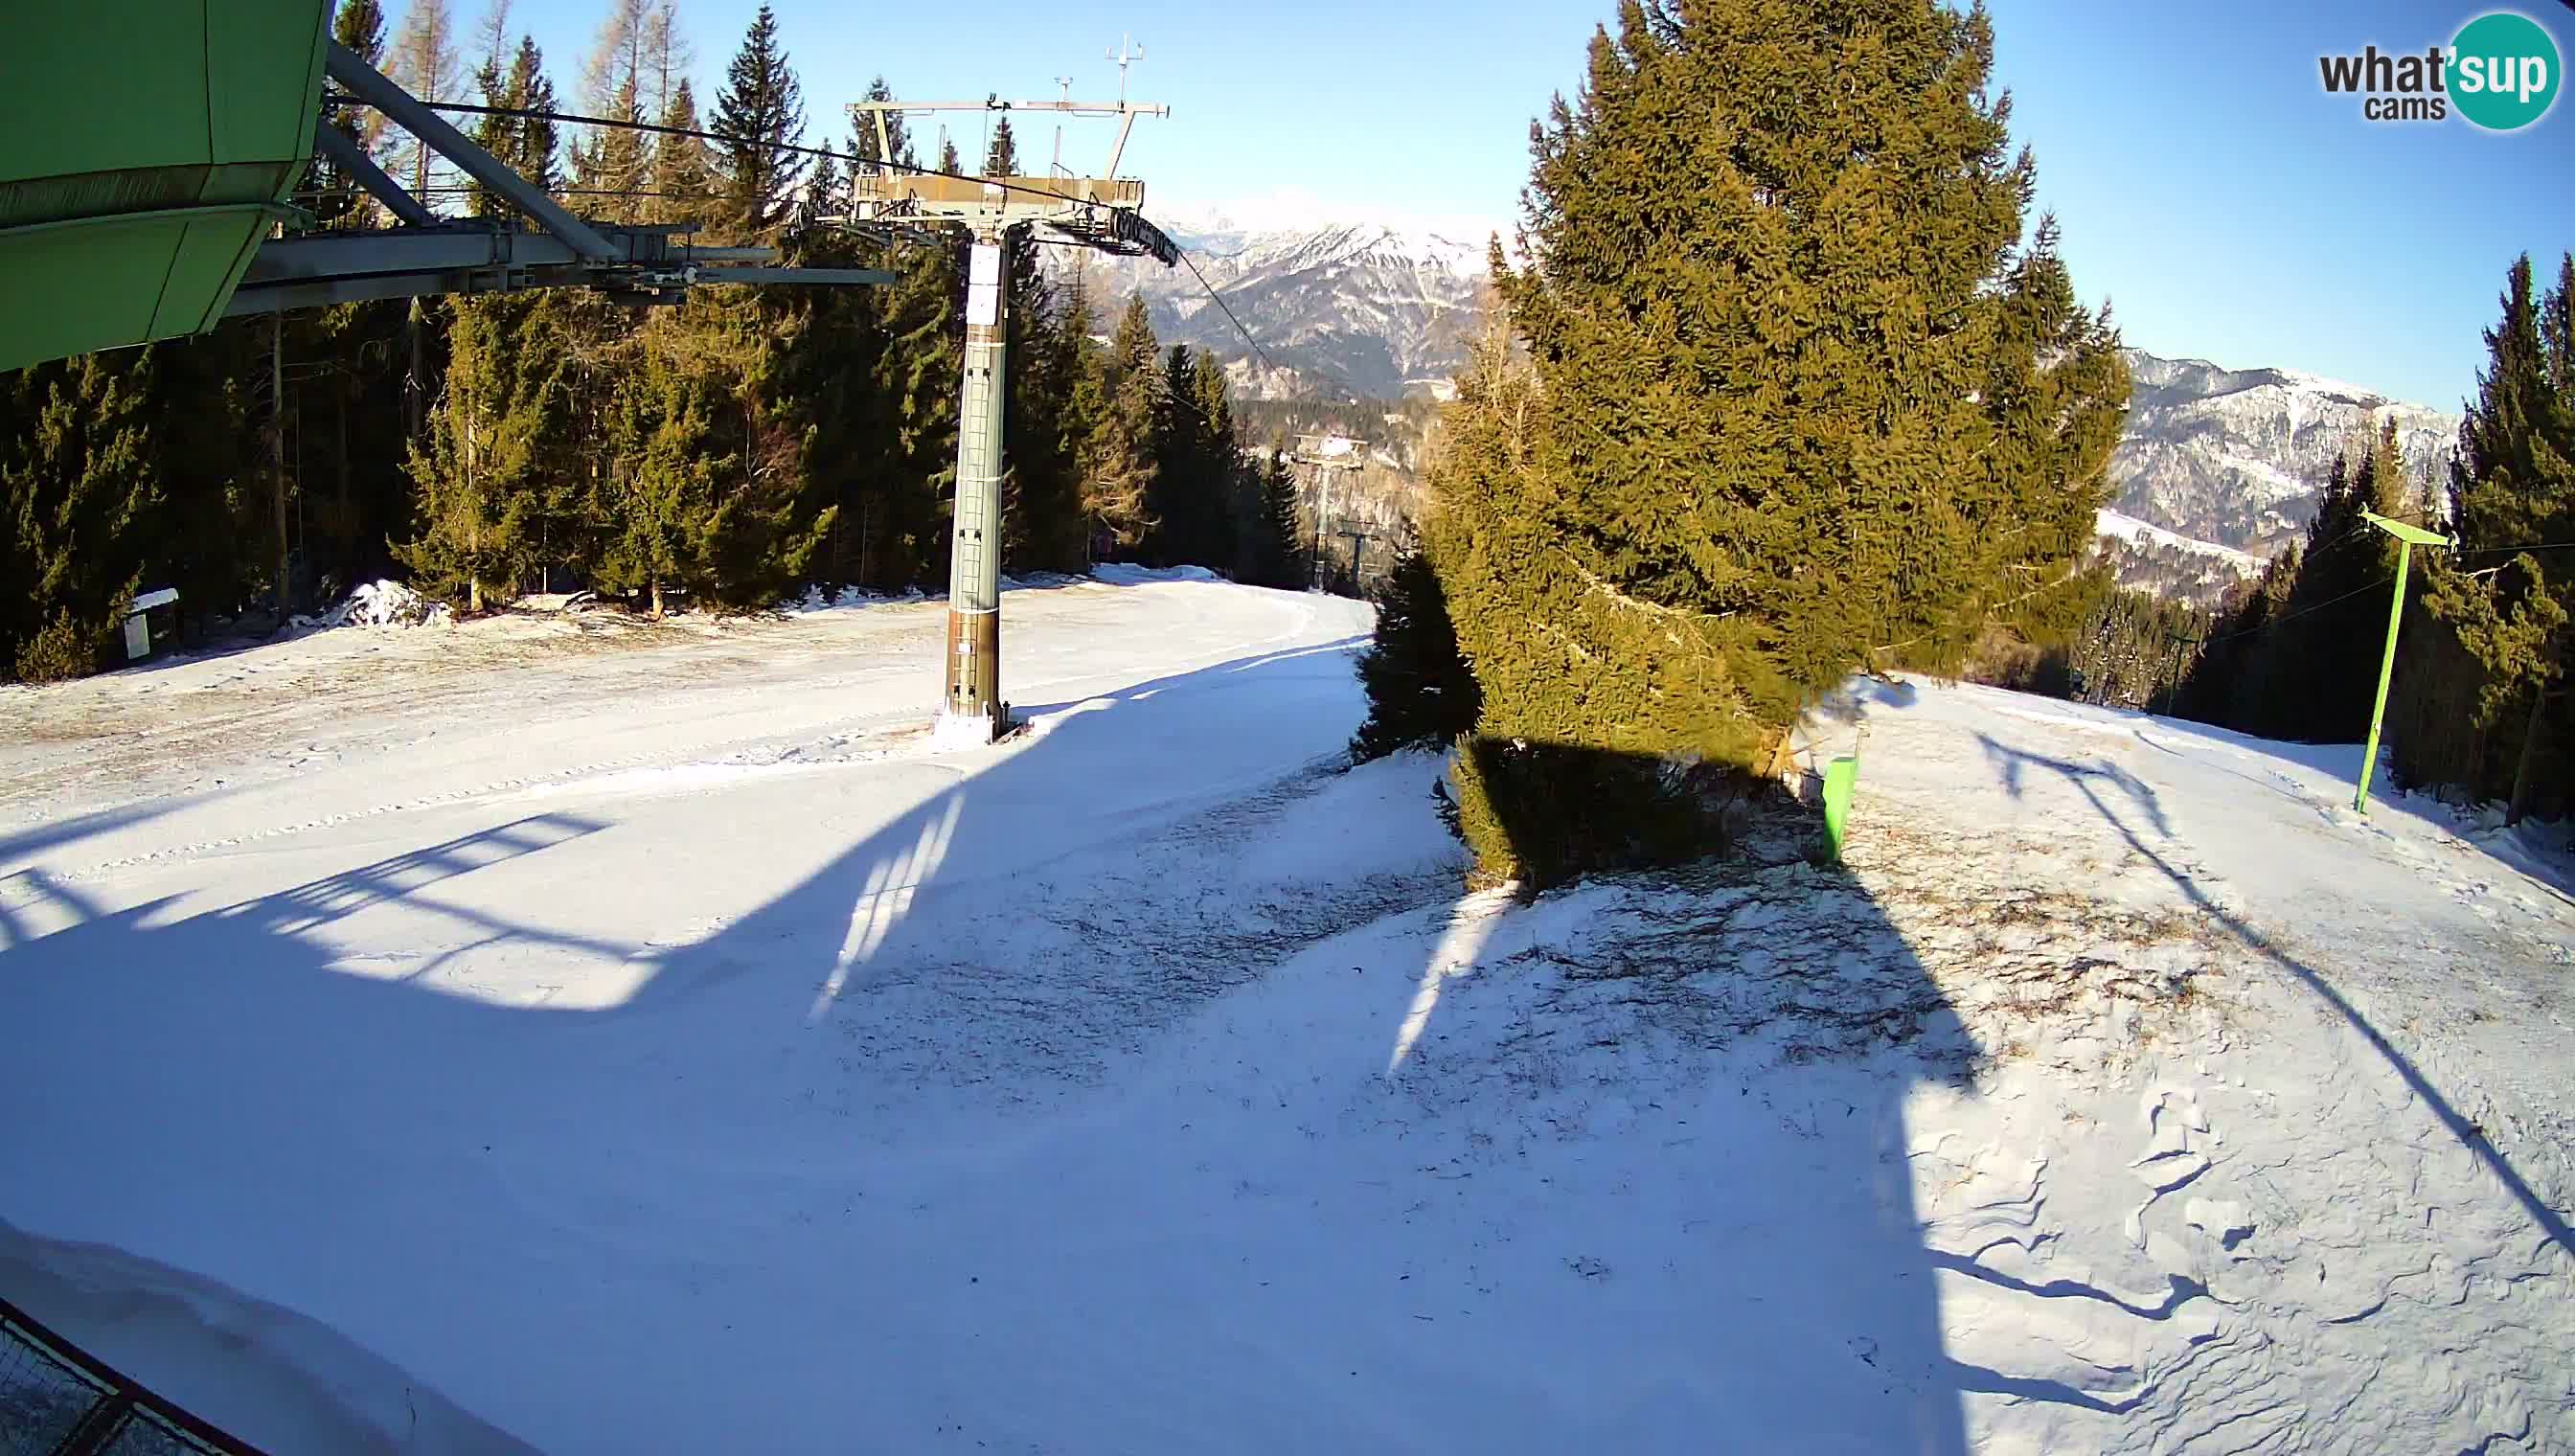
2386 670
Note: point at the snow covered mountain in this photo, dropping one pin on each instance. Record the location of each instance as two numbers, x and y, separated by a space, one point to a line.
2219 467
2235 457
1343 308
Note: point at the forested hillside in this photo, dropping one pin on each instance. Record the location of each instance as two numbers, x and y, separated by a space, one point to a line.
723 452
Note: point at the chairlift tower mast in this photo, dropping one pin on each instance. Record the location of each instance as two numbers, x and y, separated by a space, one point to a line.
1103 213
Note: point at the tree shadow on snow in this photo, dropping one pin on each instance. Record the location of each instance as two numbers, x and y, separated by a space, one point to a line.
2091 780
1055 1108
1689 1087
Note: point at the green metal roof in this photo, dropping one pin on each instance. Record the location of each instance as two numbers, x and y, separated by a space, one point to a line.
145 148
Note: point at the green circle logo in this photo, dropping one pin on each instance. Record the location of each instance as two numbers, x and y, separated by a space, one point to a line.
2504 71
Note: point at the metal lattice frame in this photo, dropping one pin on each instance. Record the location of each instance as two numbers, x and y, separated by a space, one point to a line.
431 255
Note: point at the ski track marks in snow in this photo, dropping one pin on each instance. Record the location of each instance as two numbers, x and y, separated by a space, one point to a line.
2120 1095
2346 1227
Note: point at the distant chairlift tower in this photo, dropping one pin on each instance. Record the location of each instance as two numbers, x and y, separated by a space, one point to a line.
1097 212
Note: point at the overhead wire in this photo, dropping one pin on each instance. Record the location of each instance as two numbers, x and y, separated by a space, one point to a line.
1219 299
530 113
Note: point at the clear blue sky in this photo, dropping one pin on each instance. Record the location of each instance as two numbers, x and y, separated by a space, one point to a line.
2207 186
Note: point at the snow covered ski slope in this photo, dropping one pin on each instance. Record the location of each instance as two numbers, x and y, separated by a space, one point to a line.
549 1033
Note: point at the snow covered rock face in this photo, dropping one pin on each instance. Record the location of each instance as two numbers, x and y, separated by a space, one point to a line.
2237 457
1348 310
1145 1081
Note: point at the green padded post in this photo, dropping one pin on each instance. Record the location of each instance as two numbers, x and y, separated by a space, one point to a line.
1841 775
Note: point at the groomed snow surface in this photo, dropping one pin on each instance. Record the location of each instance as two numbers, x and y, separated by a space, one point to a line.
615 1038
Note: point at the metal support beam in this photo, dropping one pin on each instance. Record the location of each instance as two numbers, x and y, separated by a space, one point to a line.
972 710
368 85
403 250
844 276
351 158
1118 149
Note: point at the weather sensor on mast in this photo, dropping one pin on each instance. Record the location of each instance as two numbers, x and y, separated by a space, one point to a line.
1104 213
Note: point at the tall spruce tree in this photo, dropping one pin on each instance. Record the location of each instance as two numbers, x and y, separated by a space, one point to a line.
2055 395
2508 601
1754 449
655 507
1119 456
77 471
684 179
503 88
494 464
536 149
614 168
1196 463
1420 692
918 374
759 112
1276 555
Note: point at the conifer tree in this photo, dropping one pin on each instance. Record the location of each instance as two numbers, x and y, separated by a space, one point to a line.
657 506
2513 489
1119 456
1197 459
78 476
1277 541
664 55
1220 460
826 194
684 181
2056 395
1754 445
616 168
503 87
1420 692
2240 679
761 110
1001 158
918 374
537 147
493 463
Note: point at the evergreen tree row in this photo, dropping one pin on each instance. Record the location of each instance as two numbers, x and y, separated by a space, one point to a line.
2480 702
2294 654
725 452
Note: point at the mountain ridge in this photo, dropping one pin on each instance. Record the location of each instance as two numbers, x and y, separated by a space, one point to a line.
2216 470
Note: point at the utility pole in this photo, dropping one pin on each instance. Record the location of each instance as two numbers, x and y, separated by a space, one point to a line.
2183 643
1103 213
1326 462
972 707
277 457
2407 538
1064 94
1322 512
1359 542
